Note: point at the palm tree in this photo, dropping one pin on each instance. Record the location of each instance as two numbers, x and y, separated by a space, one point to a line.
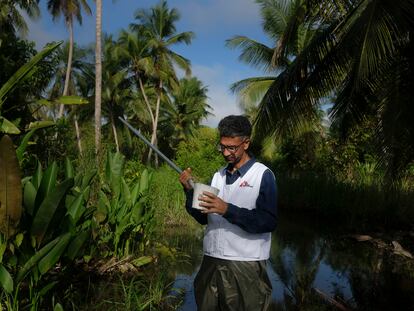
362 54
70 9
98 77
158 27
11 19
80 69
186 107
116 87
278 16
133 50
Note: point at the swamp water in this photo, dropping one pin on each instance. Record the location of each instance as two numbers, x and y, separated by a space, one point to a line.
315 267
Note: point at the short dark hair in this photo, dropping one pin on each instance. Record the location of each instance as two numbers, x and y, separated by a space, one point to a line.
235 126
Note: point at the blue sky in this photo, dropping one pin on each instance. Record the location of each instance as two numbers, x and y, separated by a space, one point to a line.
212 21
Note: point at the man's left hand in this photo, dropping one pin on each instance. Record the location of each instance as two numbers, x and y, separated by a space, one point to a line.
212 204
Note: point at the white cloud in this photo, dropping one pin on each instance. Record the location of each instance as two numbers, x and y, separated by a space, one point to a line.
220 98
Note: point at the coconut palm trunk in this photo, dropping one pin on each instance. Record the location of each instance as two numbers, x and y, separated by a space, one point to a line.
98 77
155 123
78 137
68 68
114 132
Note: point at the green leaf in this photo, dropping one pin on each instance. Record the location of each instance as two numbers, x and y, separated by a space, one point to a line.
29 197
6 280
87 178
69 172
24 71
10 188
114 172
47 288
77 208
52 257
47 185
22 147
126 192
143 260
76 244
137 212
19 239
144 182
37 177
35 258
40 124
8 127
43 102
47 210
3 247
72 100
58 307
135 193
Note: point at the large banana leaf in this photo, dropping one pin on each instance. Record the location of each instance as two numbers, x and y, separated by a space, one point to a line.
8 127
25 71
35 258
10 188
47 184
65 100
114 172
69 171
52 257
38 175
47 210
29 197
77 208
33 127
144 182
76 244
6 280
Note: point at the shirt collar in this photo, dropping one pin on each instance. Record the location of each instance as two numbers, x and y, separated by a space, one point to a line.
243 169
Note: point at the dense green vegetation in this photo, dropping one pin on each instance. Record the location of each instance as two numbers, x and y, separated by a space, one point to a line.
333 116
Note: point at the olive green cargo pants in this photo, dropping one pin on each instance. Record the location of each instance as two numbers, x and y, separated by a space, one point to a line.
227 285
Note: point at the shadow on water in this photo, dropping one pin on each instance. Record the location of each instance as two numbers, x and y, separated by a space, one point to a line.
314 266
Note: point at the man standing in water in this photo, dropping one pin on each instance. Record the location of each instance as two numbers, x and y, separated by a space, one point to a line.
239 222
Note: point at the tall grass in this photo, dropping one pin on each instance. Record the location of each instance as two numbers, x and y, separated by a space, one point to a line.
168 199
132 294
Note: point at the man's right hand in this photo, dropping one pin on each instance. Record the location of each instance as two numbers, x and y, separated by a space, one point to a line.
185 176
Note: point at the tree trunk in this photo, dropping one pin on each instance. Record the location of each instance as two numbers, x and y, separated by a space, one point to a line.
141 86
98 77
115 133
68 68
155 125
78 138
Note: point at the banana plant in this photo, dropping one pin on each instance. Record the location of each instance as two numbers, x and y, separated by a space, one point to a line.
23 73
123 209
20 75
10 188
56 223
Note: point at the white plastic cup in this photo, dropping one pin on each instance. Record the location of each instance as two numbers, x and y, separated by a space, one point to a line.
198 190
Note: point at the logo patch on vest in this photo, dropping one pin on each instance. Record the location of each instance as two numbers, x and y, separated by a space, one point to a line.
245 184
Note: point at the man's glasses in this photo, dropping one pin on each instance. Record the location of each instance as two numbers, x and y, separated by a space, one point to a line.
231 149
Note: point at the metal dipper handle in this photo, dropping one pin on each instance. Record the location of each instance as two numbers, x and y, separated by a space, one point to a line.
163 156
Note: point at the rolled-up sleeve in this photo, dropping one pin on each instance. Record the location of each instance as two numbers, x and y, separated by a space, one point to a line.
264 217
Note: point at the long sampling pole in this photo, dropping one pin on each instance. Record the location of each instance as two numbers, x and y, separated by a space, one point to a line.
163 156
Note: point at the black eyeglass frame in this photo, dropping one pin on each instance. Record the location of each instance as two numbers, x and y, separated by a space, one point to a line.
231 149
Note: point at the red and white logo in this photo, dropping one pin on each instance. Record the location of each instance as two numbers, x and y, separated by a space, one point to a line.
245 184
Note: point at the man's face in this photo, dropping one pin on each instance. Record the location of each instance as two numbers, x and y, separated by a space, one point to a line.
233 148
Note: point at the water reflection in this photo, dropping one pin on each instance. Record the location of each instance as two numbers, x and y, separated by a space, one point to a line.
313 266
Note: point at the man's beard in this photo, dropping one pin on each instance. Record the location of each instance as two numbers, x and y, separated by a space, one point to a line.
232 160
